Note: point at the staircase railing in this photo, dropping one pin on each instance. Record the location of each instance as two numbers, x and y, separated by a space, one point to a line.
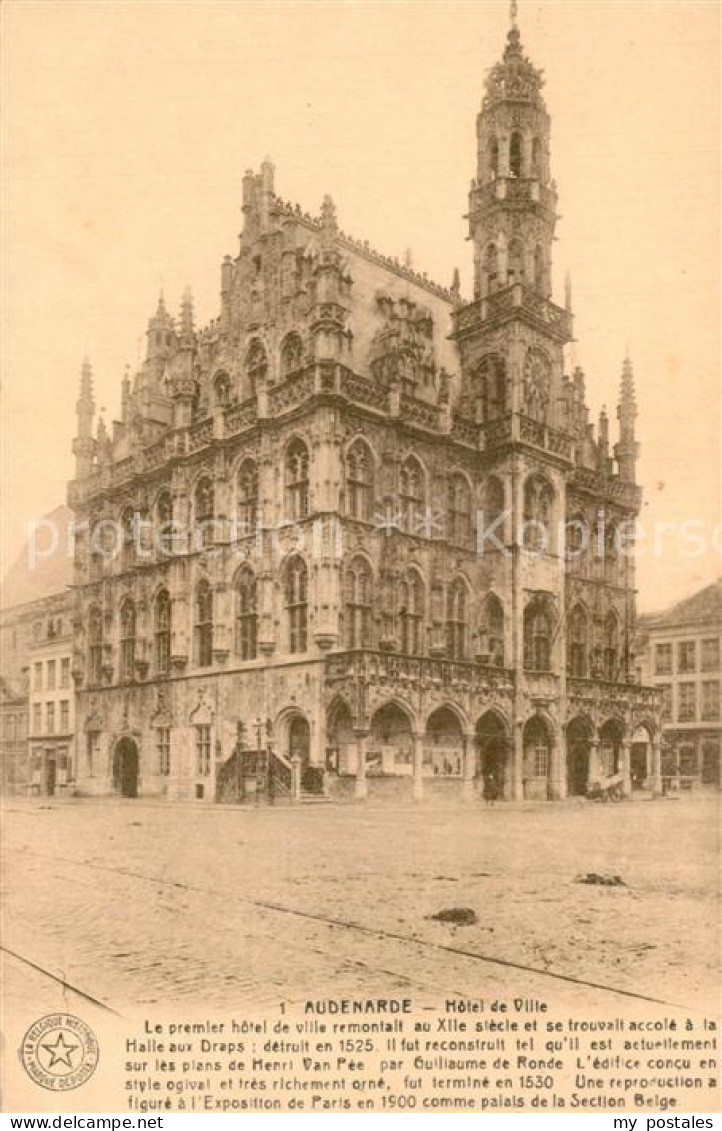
280 775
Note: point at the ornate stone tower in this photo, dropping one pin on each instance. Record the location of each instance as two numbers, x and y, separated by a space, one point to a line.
512 204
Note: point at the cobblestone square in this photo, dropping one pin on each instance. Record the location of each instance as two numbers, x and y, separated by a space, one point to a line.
216 908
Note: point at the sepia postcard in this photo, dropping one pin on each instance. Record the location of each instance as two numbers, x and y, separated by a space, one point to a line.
361 618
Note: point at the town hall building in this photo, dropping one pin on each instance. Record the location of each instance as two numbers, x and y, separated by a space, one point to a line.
358 536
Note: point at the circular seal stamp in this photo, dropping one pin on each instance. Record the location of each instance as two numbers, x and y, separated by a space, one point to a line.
59 1052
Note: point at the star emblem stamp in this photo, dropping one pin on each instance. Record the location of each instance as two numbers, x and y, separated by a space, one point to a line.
59 1052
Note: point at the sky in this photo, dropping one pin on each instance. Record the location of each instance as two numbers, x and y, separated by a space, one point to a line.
128 127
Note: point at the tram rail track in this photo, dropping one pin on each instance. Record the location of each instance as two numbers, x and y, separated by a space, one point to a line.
367 931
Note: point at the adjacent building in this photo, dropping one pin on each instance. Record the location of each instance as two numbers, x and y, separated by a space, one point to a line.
679 654
360 524
36 688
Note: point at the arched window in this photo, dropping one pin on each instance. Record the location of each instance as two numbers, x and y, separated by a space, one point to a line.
537 158
577 643
297 484
538 268
127 641
95 646
291 355
515 262
537 637
204 624
222 389
246 615
491 388
128 529
411 492
611 555
296 594
358 604
256 367
493 629
611 647
537 749
577 539
164 519
490 537
411 614
492 157
247 511
458 510
456 621
162 632
538 506
516 154
204 514
537 381
96 554
491 267
359 481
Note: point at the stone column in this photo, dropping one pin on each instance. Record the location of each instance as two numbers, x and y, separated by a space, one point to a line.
626 767
361 786
515 786
469 766
418 763
593 769
295 779
557 776
655 781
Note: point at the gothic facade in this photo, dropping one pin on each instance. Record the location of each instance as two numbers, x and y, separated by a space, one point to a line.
361 526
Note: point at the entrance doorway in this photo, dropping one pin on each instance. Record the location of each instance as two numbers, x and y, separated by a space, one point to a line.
578 736
50 776
125 768
299 739
491 744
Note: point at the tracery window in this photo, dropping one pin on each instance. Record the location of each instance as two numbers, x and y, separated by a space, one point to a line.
359 587
247 497
297 480
456 620
246 615
95 645
127 640
537 637
359 481
493 628
162 632
256 367
458 510
538 508
411 614
205 517
411 492
296 595
577 643
611 647
204 624
516 154
291 355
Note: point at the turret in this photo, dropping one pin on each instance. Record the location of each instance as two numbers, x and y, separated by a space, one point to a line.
160 331
125 397
83 444
627 450
187 332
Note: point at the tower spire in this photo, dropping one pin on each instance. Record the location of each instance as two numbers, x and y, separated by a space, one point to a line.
513 14
627 450
84 410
